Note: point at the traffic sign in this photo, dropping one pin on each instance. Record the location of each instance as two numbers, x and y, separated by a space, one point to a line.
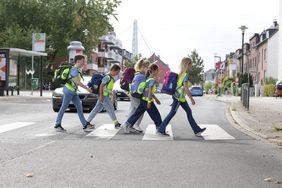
38 42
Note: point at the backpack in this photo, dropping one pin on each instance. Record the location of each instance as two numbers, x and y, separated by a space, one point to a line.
170 83
127 78
61 74
138 85
95 82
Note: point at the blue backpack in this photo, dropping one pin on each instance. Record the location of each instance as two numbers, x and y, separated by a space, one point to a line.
95 83
138 85
170 83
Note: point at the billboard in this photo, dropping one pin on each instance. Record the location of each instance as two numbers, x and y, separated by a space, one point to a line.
4 57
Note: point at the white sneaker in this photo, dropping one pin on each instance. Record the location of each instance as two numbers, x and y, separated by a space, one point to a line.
137 127
125 129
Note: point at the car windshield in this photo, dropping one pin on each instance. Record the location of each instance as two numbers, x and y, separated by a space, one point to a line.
196 88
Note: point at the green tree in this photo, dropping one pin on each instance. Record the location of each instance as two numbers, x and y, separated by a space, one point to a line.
195 75
208 86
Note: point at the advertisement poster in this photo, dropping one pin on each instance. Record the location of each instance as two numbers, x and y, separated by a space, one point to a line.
3 65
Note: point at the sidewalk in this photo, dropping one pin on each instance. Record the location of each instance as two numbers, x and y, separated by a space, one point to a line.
36 94
264 115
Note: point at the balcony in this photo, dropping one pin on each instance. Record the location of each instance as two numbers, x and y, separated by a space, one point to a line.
108 39
103 54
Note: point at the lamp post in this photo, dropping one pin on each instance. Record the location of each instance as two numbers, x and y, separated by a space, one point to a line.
243 29
245 100
85 31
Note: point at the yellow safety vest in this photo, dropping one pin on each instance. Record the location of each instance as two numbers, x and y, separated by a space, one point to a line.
179 94
109 87
152 90
70 84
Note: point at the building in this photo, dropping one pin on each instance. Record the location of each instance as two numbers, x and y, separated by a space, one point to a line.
230 66
253 57
273 51
109 51
163 68
209 76
280 44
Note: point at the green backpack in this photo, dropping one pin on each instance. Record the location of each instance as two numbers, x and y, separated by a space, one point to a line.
61 74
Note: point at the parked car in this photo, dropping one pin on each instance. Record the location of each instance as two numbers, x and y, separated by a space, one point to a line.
120 93
197 91
88 100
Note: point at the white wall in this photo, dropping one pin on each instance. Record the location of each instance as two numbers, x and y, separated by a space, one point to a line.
280 43
272 56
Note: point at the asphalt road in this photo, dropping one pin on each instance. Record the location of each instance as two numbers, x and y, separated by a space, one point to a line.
224 157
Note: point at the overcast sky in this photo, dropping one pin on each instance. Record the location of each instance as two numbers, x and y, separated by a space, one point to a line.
172 29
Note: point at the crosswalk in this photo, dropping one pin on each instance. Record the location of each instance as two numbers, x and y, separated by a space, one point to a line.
108 132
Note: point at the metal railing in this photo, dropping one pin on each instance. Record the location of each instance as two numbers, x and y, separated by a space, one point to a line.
245 95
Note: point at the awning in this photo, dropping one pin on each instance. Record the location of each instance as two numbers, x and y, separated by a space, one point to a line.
22 52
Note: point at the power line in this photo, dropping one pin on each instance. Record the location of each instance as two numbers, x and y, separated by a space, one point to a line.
145 41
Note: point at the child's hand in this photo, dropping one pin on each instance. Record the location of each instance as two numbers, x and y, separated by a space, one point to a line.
101 98
158 101
149 105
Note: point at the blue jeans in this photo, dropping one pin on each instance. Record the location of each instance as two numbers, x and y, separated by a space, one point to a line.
68 97
174 108
153 113
108 105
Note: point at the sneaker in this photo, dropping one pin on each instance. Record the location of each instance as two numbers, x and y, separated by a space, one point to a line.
199 134
117 125
59 128
125 129
133 130
162 134
89 125
137 127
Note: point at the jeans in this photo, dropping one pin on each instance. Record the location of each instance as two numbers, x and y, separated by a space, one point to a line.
153 113
134 103
68 97
174 108
108 105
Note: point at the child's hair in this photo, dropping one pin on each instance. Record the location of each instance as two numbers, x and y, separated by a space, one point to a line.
78 57
141 63
184 64
152 67
115 67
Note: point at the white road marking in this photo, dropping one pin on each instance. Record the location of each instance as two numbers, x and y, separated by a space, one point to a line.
13 126
44 134
150 133
105 131
215 132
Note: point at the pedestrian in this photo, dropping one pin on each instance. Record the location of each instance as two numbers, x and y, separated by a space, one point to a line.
104 100
70 94
140 68
179 99
146 102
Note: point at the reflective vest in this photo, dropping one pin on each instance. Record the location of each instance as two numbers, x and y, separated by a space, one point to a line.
70 83
179 94
146 98
107 90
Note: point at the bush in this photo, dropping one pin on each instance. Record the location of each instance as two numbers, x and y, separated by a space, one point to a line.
207 86
268 90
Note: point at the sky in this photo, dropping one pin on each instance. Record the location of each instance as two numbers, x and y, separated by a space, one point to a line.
172 29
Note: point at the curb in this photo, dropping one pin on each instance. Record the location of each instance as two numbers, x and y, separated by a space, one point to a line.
243 125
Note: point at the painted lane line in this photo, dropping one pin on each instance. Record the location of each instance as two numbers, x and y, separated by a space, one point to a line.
215 132
13 126
105 131
150 133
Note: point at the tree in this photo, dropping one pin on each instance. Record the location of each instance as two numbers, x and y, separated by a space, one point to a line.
195 75
132 62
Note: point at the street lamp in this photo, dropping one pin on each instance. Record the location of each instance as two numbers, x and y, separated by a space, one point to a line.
243 29
85 31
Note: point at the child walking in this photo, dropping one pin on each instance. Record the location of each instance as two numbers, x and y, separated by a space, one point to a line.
182 90
104 100
146 102
140 68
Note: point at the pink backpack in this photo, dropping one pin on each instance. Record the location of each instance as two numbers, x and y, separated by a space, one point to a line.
170 83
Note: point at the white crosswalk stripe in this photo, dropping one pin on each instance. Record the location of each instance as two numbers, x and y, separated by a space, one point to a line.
105 131
12 126
150 133
215 132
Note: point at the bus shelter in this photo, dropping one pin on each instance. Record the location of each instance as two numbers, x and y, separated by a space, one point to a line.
12 70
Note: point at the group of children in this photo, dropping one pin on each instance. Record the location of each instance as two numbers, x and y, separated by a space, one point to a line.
144 102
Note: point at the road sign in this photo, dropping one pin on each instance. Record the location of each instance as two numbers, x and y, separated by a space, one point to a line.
38 42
